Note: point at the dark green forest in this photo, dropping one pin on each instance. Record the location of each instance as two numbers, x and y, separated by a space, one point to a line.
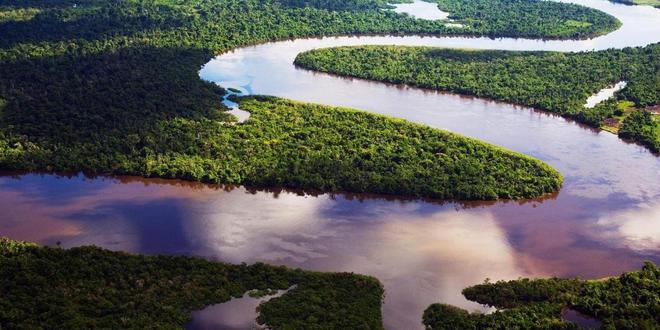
551 81
93 288
630 301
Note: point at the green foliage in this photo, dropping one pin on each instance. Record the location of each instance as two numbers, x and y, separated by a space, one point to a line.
337 4
518 293
443 316
89 287
513 16
221 25
551 81
536 316
334 305
641 126
17 14
630 301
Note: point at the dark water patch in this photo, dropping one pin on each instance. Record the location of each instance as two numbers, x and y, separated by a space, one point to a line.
580 319
236 314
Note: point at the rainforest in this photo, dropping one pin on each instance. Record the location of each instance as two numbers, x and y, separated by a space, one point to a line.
132 196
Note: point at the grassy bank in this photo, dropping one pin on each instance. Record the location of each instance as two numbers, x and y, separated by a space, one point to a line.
89 287
630 301
551 81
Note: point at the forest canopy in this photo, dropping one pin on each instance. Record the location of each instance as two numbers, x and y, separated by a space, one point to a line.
90 287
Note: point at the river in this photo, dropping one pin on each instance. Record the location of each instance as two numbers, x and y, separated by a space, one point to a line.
605 220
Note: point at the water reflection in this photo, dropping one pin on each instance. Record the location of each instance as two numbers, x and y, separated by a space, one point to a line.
236 314
582 320
422 251
637 229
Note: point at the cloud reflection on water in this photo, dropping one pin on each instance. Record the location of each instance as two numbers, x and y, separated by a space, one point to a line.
423 252
635 229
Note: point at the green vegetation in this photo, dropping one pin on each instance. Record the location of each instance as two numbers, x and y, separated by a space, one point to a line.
18 14
551 81
630 301
643 127
621 110
222 25
89 287
571 21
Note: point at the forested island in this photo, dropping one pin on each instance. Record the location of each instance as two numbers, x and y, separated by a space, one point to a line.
630 301
307 146
550 81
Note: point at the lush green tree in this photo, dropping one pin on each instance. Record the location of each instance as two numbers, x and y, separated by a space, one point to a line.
643 127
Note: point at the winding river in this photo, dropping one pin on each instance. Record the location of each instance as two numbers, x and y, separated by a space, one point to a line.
605 220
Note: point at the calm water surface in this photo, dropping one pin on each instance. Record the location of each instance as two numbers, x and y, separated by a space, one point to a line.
604 221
